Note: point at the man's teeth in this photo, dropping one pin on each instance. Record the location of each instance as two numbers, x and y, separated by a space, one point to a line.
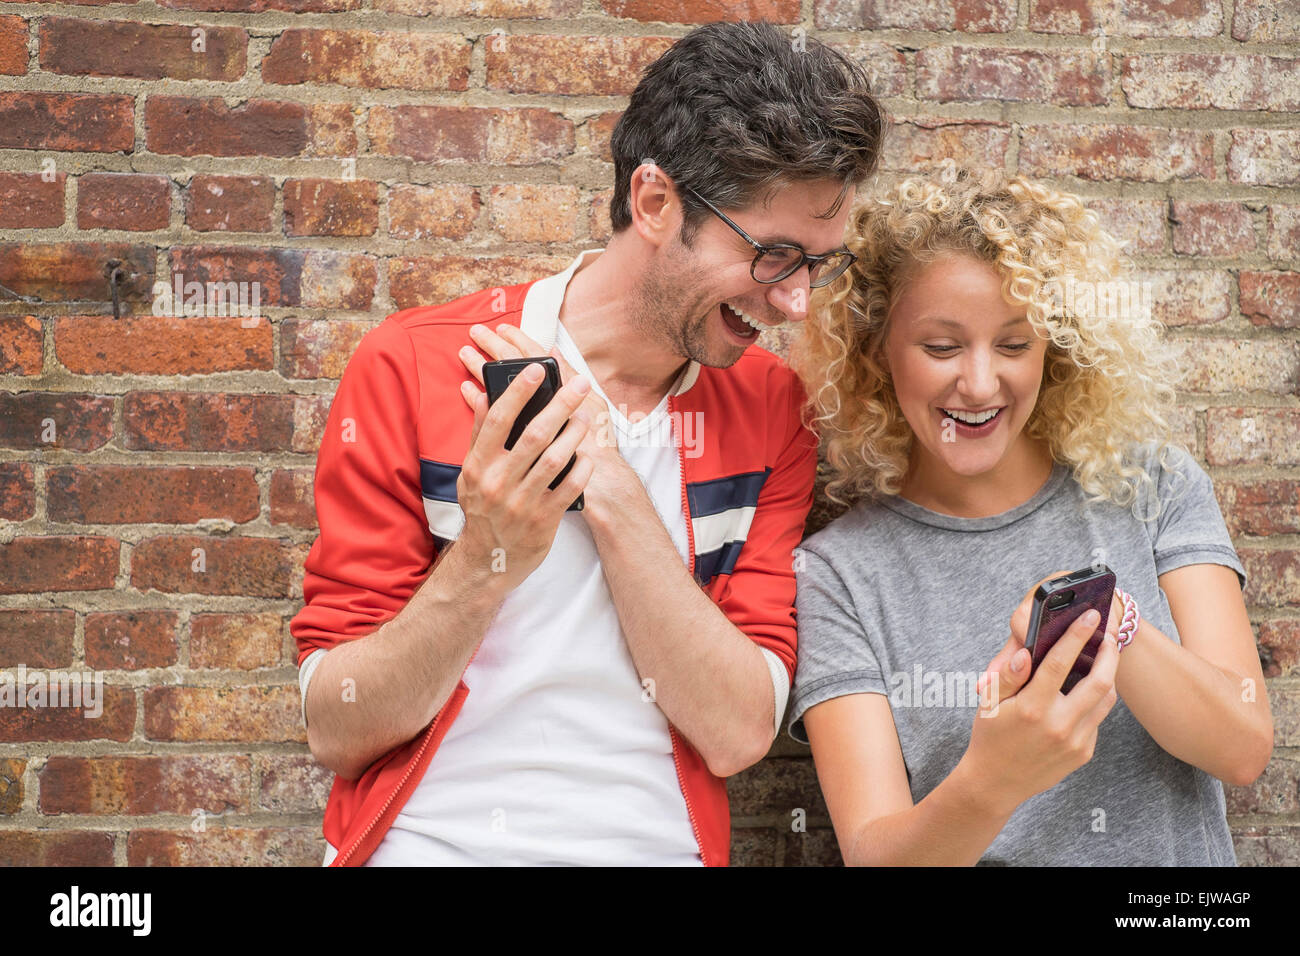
970 418
752 322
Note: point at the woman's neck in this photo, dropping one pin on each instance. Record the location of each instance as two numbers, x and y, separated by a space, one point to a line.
1015 479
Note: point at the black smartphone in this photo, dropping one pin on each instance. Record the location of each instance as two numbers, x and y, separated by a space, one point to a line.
1057 603
497 377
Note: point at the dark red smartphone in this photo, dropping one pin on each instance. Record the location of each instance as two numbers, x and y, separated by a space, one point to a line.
497 377
1057 603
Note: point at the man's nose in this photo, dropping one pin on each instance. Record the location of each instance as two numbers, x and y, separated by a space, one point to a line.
791 294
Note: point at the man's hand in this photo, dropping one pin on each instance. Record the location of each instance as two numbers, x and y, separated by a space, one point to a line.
610 471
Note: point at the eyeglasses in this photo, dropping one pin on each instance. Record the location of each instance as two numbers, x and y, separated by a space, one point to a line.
780 261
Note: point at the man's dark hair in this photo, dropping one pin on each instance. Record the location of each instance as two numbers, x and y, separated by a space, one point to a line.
740 110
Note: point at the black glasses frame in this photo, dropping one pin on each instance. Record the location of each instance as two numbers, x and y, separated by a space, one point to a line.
760 250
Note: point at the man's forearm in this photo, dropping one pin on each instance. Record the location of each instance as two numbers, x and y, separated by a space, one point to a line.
710 680
371 694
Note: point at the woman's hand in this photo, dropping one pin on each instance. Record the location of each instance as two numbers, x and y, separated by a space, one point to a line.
1028 736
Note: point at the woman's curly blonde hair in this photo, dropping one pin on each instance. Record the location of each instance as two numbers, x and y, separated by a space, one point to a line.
1107 380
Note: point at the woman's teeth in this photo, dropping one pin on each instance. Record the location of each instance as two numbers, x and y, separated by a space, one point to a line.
972 418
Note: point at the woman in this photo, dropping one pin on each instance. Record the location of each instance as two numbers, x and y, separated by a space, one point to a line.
997 417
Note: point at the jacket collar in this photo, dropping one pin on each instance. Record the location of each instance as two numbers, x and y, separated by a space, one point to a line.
541 314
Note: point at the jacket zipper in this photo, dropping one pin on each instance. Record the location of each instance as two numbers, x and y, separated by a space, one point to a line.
690 552
343 858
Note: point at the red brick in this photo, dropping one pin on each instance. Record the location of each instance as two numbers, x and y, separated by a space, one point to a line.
775 787
261 714
310 413
1265 157
56 848
962 16
317 349
339 280
1241 436
815 847
494 9
30 565
1265 21
124 494
1069 78
11 785
1272 577
75 422
1279 644
1283 232
59 724
76 122
248 567
885 65
226 846
258 6
331 129
21 351
278 272
1264 506
1140 222
467 134
74 271
571 66
1107 151
599 129
1275 792
202 421
1212 229
123 201
754 846
1211 81
13 45
215 783
197 126
1219 366
1197 18
17 491
702 11
292 497
131 640
235 641
397 60
292 783
330 207
229 203
145 345
435 279
527 212
1267 846
917 143
599 226
141 50
432 212
28 201
1271 298
37 638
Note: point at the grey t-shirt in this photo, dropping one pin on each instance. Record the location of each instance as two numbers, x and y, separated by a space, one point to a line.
899 600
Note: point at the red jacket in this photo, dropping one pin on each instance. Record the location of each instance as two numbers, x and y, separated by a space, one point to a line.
385 492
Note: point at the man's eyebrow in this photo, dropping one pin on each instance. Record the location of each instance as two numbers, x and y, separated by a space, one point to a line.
786 240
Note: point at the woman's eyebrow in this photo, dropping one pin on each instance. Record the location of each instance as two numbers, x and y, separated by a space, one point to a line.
954 324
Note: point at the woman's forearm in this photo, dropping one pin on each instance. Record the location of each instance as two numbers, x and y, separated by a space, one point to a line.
952 826
1203 715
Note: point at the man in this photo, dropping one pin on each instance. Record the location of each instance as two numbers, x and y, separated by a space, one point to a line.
538 685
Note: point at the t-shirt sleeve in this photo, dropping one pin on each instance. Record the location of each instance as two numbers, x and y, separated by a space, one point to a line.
835 658
374 548
1190 528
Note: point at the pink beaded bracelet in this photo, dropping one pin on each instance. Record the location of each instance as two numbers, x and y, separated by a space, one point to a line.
1128 622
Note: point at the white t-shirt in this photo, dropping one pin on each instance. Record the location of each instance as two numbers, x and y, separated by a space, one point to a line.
558 754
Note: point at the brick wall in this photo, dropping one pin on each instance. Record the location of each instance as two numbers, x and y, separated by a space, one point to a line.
354 157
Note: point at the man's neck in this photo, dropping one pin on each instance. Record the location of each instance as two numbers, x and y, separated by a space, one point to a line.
632 368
